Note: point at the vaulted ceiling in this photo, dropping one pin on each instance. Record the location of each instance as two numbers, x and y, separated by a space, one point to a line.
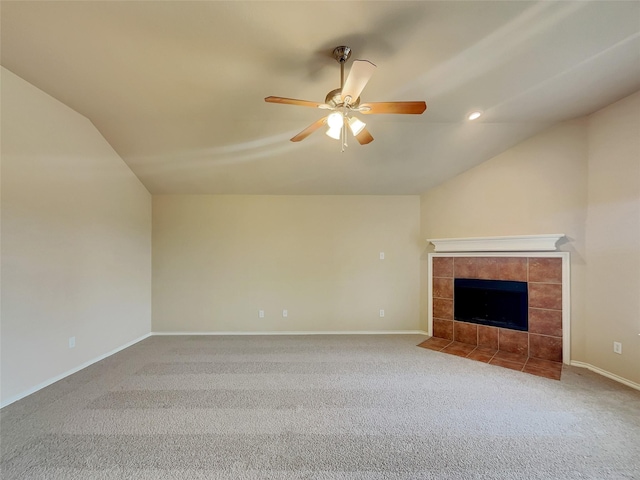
178 87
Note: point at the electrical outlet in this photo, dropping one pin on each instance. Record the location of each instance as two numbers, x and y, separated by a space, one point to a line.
261 313
72 342
617 348
381 313
285 313
381 255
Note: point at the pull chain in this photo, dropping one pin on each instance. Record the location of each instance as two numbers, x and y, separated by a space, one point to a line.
344 126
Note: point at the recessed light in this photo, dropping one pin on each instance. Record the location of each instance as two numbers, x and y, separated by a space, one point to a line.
474 115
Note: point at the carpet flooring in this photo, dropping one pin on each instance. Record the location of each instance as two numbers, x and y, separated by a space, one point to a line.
318 407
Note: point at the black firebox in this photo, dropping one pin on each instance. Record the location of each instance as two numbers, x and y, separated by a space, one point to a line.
498 303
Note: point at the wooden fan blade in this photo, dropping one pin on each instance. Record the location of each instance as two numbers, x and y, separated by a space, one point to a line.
415 108
359 75
364 137
309 130
293 101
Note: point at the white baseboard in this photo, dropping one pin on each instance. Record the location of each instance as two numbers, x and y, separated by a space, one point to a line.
315 332
48 382
604 373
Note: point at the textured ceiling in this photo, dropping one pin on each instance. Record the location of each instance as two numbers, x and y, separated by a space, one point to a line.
177 88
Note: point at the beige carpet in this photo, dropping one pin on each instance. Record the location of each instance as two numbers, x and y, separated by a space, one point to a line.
318 407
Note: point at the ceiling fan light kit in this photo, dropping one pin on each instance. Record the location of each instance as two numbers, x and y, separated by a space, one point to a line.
356 126
345 101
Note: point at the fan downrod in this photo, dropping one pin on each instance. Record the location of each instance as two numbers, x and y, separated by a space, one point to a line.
334 97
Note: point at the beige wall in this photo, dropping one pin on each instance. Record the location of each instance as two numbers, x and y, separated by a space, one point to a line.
539 186
580 178
76 242
217 260
613 238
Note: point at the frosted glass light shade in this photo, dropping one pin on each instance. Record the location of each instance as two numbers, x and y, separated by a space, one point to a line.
356 125
334 132
334 120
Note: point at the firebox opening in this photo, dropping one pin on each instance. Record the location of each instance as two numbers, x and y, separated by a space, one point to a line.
498 303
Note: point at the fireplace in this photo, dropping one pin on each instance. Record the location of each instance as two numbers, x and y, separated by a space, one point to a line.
498 303
547 308
523 273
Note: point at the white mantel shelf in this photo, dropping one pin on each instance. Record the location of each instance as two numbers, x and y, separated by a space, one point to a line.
511 243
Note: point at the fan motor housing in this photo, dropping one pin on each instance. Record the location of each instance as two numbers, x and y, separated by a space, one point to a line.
334 99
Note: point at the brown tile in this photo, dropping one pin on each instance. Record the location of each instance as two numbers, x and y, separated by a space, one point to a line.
487 268
465 267
488 336
545 295
506 364
429 346
443 287
465 332
443 267
486 350
543 368
514 341
434 343
547 348
550 374
511 268
545 322
443 308
459 349
443 328
511 357
545 270
482 354
491 268
541 363
500 268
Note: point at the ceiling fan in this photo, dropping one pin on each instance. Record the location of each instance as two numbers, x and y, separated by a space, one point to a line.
344 102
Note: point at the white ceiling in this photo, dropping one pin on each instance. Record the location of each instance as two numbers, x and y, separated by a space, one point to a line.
177 88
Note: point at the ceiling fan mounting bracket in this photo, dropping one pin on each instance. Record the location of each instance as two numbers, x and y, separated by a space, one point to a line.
341 54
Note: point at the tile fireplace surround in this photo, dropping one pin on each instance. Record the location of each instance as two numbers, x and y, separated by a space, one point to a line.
539 350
